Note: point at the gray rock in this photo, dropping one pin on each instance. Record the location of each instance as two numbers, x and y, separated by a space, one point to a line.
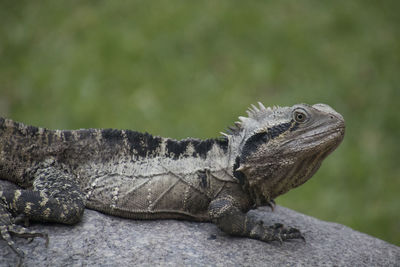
102 240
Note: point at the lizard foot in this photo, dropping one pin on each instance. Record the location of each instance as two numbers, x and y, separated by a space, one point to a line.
281 233
9 228
275 232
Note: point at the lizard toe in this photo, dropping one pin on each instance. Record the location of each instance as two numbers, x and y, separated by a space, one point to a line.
9 228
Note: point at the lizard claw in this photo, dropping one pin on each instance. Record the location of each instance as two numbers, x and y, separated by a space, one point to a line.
271 203
302 238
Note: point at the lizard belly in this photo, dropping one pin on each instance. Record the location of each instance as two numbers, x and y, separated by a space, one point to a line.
147 197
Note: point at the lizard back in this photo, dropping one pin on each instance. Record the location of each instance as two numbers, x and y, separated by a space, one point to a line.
123 172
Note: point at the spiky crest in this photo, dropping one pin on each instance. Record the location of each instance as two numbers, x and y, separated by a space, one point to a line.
256 116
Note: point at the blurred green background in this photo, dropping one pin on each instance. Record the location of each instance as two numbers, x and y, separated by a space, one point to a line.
189 68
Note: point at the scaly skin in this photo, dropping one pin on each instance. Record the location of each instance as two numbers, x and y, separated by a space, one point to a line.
138 176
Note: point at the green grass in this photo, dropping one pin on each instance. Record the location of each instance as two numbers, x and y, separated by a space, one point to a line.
189 68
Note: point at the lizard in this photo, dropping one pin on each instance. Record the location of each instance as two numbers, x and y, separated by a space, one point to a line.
140 176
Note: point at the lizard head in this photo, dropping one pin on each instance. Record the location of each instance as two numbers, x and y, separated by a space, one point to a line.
280 148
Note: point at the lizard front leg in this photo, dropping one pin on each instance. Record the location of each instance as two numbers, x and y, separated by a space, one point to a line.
226 214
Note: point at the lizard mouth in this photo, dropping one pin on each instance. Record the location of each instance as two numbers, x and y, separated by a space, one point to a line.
334 136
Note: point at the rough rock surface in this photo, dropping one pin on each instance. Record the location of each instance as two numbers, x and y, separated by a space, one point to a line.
102 240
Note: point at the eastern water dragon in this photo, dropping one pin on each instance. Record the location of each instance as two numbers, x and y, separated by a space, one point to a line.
139 176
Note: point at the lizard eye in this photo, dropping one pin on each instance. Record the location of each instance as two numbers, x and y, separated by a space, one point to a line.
300 116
